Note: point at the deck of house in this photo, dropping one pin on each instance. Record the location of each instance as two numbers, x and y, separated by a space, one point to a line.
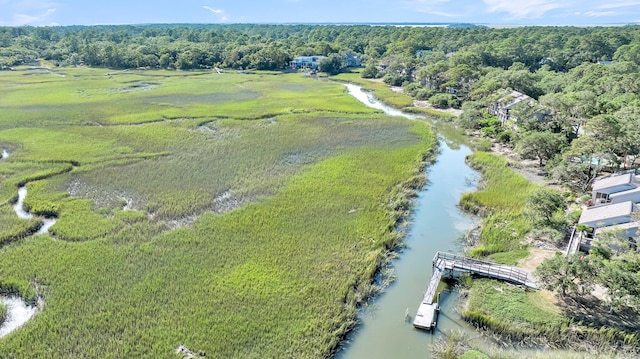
451 266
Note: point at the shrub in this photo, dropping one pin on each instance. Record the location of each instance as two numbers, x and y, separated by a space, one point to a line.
412 88
505 137
442 100
574 216
393 80
370 72
423 94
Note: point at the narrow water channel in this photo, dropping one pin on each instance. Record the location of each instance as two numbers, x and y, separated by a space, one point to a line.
18 311
19 206
436 225
22 213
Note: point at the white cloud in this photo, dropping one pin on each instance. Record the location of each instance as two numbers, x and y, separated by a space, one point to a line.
29 19
592 13
526 9
26 12
219 12
215 11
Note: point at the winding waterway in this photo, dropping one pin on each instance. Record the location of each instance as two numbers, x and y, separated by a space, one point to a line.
436 225
22 213
18 311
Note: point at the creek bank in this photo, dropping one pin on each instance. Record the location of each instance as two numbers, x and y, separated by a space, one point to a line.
435 223
21 212
531 322
383 330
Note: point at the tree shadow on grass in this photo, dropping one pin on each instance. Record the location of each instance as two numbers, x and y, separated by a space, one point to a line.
589 309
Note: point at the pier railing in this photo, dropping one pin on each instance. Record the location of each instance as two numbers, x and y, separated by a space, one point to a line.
446 264
455 262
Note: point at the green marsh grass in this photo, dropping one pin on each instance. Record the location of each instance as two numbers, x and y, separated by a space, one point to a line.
311 185
517 308
172 95
14 228
430 112
12 175
501 200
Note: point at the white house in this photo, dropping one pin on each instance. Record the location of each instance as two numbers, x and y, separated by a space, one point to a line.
612 219
306 62
509 100
613 209
617 188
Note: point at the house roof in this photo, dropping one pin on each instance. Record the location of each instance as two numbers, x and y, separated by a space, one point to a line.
515 98
631 191
308 58
510 99
619 227
593 215
613 181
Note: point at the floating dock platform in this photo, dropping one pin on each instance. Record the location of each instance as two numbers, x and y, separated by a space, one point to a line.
451 265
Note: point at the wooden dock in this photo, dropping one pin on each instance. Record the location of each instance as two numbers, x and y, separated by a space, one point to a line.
451 266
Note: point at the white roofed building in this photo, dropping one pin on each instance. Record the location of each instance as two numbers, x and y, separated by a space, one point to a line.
617 188
614 208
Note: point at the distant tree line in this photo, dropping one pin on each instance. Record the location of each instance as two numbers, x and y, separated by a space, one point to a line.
272 46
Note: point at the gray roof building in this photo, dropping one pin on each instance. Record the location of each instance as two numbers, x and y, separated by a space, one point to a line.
506 103
609 215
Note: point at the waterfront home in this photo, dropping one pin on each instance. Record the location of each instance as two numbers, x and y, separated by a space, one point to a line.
352 60
608 215
306 62
617 188
615 220
313 62
613 210
507 101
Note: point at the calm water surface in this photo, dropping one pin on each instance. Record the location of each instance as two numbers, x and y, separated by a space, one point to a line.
436 225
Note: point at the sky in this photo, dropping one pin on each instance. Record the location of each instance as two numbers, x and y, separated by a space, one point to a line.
492 12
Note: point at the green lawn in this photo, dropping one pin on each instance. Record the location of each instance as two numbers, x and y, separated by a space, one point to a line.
243 215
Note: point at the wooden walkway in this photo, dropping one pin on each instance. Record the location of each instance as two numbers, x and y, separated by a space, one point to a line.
574 242
451 266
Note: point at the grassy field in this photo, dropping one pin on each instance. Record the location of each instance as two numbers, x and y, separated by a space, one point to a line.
243 215
519 311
